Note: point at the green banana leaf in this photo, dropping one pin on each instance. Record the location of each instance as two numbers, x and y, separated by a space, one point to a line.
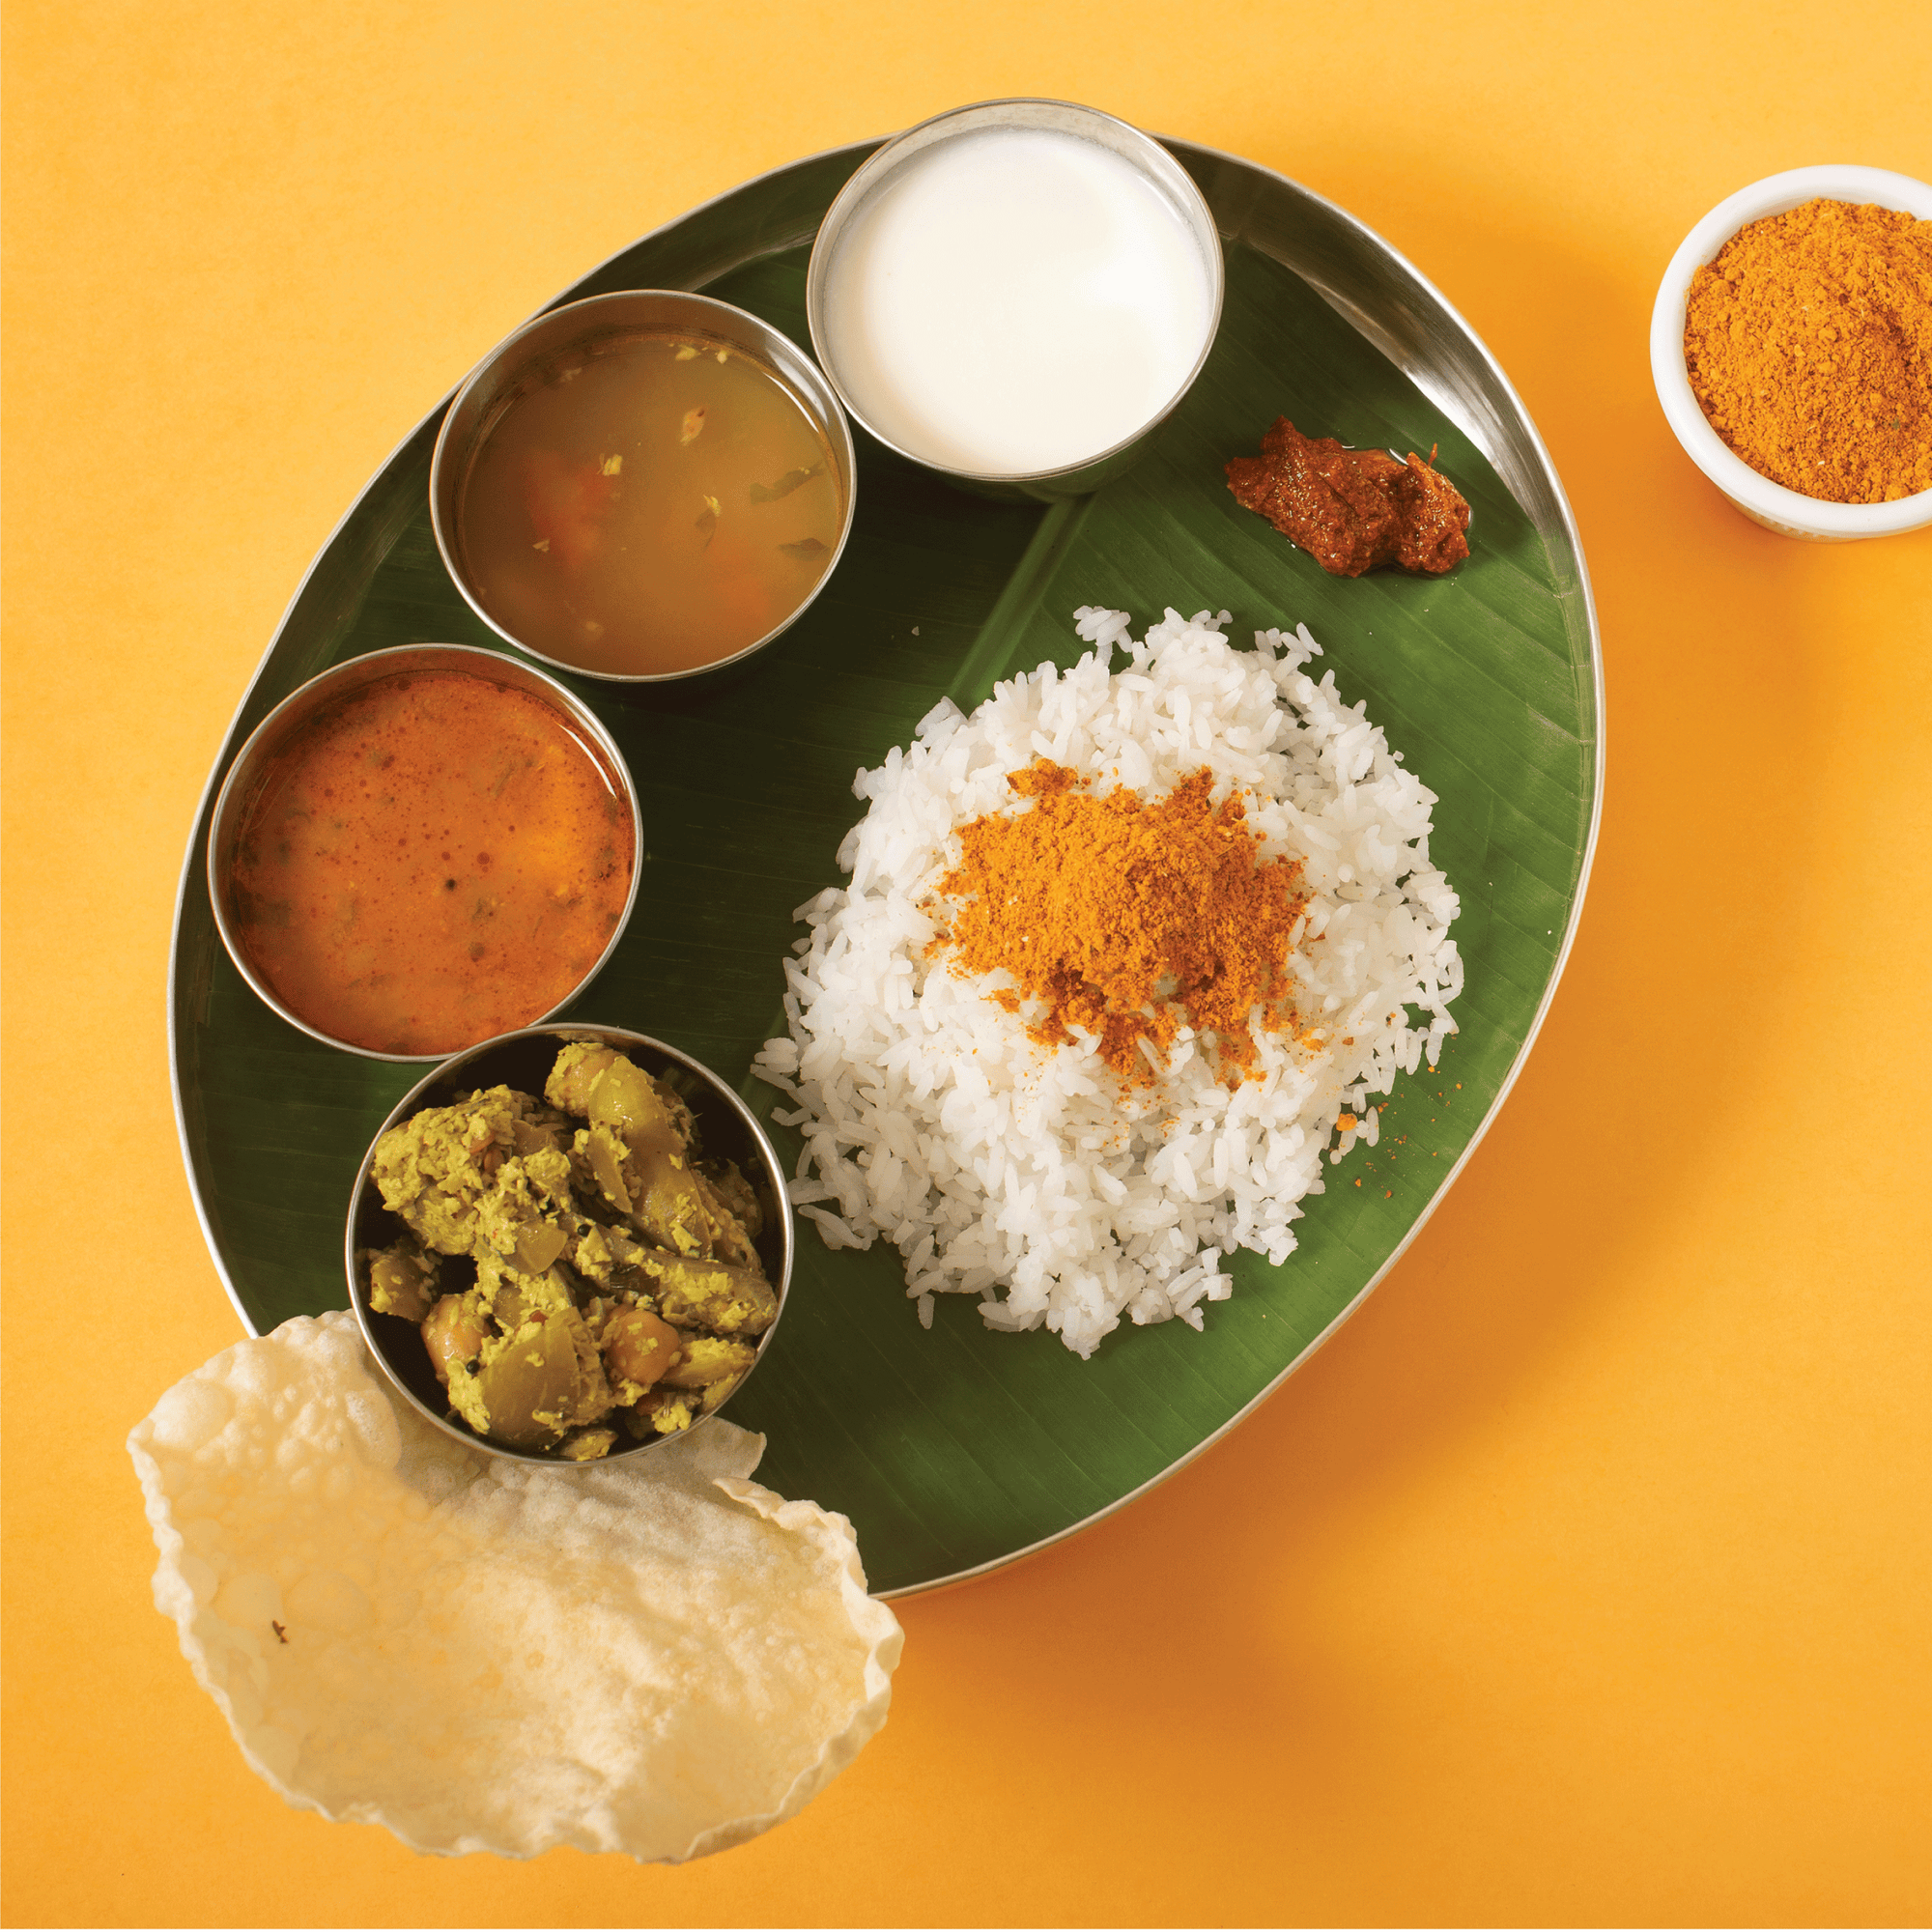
957 1449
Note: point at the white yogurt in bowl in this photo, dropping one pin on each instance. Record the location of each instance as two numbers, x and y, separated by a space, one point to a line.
1017 293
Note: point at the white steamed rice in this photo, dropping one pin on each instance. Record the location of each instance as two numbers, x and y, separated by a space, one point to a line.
1022 1174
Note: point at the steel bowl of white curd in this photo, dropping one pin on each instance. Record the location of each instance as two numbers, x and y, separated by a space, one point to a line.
1017 295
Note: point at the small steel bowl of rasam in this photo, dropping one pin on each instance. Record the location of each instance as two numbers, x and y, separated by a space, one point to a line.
643 486
424 848
569 1244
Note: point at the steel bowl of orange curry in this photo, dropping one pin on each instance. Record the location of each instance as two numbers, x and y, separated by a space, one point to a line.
424 848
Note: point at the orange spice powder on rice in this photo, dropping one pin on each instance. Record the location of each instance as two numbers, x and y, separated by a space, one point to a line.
1127 918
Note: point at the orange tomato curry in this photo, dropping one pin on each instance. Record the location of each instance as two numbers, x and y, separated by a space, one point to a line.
434 860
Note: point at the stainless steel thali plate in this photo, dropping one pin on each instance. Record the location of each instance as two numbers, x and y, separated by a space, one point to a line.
957 1450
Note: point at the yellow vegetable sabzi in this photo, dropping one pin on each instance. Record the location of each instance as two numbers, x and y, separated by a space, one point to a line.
616 1279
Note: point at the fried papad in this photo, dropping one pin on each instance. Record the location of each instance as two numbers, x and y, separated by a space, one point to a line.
655 1657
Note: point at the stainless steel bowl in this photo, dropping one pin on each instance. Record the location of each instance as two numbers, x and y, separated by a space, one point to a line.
1142 153
497 380
256 759
523 1061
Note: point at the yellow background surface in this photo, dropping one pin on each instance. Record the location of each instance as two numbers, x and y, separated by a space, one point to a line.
1584 1576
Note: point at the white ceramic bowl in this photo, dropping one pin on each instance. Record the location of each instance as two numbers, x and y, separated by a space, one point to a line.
1767 502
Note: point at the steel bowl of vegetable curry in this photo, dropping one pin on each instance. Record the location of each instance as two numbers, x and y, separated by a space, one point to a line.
568 1243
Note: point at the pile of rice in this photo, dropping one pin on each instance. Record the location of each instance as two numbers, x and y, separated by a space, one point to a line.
1023 1174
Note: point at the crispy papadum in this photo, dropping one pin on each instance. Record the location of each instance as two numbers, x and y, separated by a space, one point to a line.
655 1657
